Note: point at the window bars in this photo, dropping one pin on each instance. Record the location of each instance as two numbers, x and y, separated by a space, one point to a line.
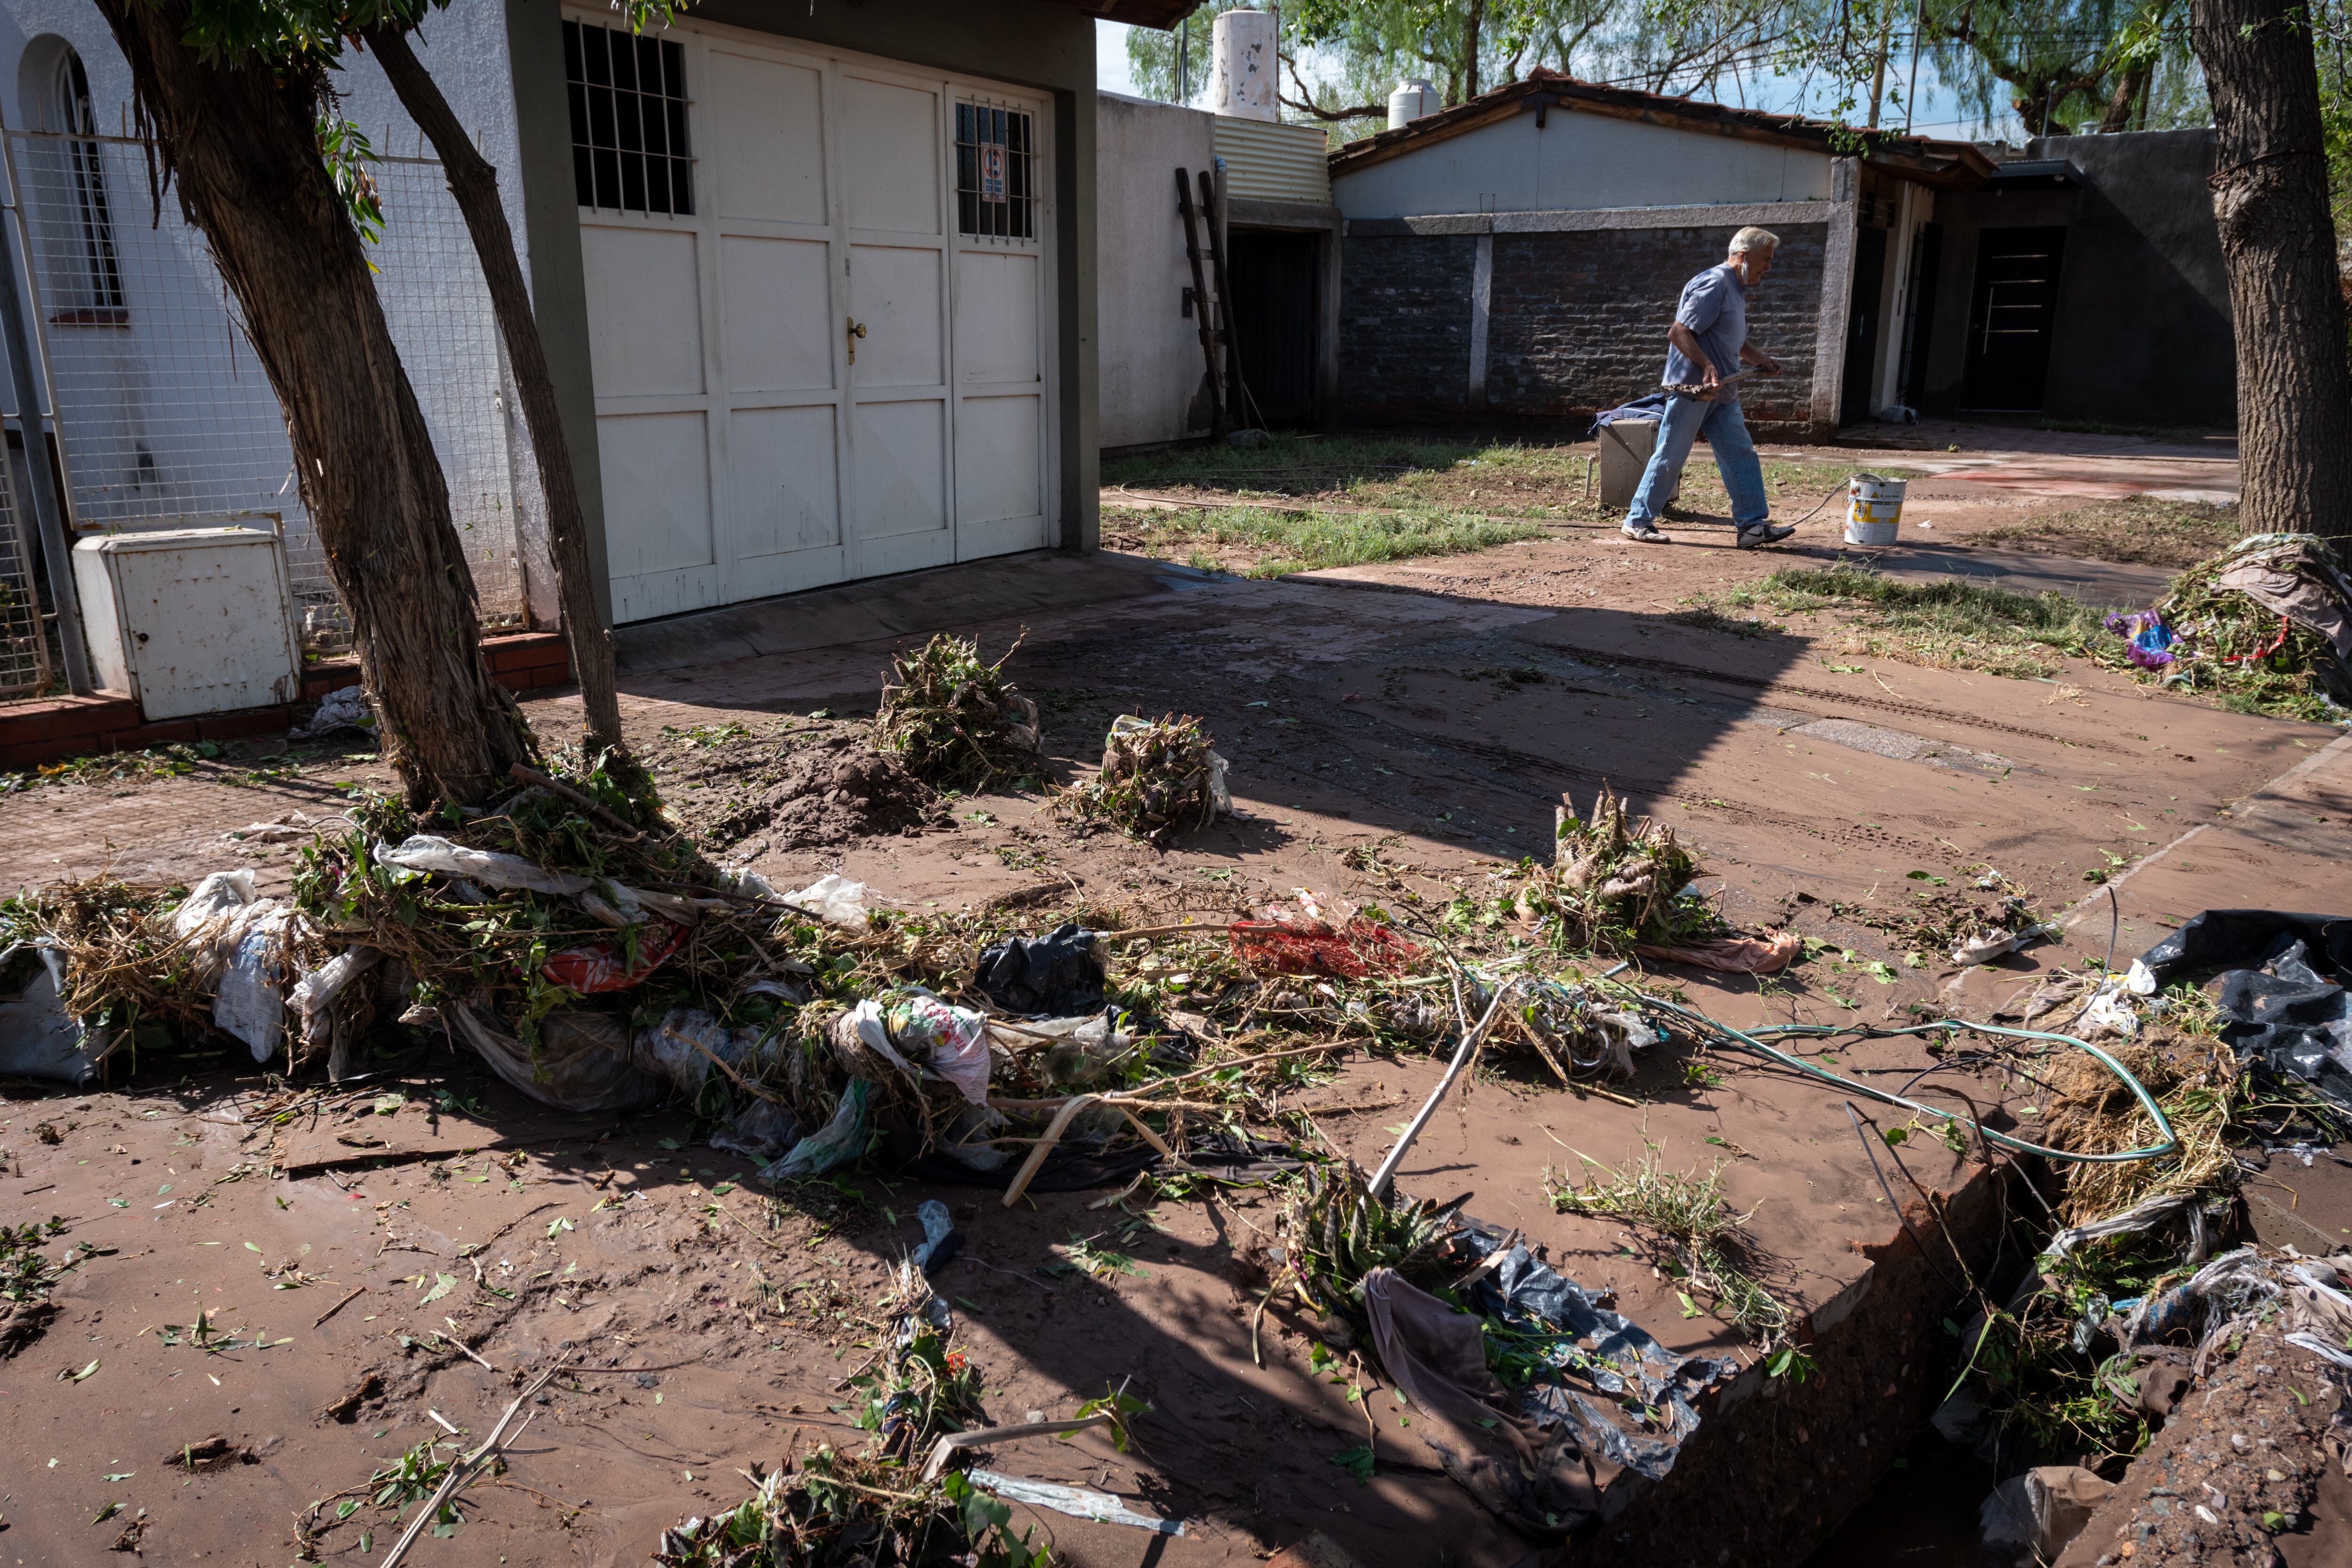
629 146
163 416
996 171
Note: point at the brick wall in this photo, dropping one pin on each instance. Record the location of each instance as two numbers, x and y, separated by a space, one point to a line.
1576 320
1405 324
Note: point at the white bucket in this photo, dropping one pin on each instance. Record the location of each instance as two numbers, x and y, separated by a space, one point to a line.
1874 508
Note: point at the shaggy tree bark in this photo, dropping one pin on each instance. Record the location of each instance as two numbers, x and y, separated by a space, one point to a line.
241 141
475 184
2270 201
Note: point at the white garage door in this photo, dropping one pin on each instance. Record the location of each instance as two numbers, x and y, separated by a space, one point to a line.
820 308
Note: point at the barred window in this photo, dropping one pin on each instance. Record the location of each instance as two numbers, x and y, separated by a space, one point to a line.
997 163
93 295
629 147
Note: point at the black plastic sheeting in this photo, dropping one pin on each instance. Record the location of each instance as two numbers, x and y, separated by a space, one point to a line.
1612 1352
2282 995
1056 975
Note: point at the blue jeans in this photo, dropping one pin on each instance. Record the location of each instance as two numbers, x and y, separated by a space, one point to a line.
1726 431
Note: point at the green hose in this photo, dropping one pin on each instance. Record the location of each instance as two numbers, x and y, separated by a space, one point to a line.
1755 1042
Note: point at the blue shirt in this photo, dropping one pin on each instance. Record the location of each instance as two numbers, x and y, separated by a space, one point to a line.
1715 308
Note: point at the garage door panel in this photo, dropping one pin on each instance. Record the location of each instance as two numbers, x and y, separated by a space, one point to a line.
656 472
890 155
896 295
779 328
645 310
764 129
902 463
997 473
784 497
996 316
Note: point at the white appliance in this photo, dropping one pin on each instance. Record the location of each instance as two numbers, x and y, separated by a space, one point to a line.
190 620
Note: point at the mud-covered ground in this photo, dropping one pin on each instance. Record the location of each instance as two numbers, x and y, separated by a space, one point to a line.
1400 728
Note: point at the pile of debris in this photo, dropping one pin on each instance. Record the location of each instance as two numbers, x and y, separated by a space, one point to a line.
1157 780
2266 625
953 720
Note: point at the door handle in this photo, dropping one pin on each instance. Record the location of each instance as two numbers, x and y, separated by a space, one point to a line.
856 330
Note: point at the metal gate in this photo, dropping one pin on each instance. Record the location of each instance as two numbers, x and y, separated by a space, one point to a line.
162 414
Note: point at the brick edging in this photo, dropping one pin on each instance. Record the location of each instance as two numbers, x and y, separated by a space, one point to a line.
53 729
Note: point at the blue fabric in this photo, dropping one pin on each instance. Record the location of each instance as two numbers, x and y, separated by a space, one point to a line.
1715 308
1650 407
1687 420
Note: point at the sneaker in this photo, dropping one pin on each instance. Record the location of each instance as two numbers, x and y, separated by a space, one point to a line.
1765 533
1645 534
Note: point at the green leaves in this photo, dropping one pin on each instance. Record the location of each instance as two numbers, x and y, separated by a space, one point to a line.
442 1285
1357 1461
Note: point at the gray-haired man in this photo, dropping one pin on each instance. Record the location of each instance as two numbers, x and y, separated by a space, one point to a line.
1708 340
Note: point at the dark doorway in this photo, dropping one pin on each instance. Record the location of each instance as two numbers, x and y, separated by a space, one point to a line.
1862 322
1919 312
1276 284
2010 317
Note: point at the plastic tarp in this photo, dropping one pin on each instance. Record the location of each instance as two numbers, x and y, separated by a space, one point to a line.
37 1039
2283 995
582 1062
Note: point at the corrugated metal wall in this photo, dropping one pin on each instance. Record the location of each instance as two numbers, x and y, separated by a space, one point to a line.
1271 162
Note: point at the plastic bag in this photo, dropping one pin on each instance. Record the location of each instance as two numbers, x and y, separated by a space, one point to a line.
762 1130
835 899
38 1038
2031 1518
422 852
251 1003
683 1046
1058 973
837 1142
346 707
913 1027
219 895
583 1061
603 966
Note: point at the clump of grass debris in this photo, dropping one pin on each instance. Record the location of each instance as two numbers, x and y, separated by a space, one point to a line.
1252 542
1685 1215
953 720
1612 882
2206 635
1947 625
1336 1232
26 1276
838 1508
1158 780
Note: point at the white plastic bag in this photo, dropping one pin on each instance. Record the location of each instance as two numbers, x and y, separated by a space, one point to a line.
833 898
422 852
916 1028
581 1063
250 1002
220 894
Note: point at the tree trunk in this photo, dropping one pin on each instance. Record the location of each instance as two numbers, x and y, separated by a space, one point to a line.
475 184
2124 102
241 141
1470 28
2270 202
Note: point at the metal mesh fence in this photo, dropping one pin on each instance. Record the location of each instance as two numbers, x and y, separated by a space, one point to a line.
163 414
24 646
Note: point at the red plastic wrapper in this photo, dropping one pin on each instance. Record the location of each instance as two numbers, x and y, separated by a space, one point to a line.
1360 948
602 966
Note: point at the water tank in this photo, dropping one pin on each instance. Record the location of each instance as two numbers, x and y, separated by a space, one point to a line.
1244 82
1413 99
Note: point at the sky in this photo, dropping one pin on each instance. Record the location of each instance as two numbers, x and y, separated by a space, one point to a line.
1940 112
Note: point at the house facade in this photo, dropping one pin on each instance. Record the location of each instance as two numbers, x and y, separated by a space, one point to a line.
1522 253
817 287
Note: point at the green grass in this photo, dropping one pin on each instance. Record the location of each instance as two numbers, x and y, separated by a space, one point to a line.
1252 542
2139 529
1949 624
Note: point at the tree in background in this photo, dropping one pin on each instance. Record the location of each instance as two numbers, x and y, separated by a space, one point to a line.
240 96
2271 202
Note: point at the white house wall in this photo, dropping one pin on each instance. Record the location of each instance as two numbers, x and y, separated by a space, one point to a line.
1580 161
1151 366
171 413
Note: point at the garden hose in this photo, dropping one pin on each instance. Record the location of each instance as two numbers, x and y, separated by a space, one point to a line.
1756 1041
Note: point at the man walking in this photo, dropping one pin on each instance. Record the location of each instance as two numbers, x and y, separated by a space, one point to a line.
1707 341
